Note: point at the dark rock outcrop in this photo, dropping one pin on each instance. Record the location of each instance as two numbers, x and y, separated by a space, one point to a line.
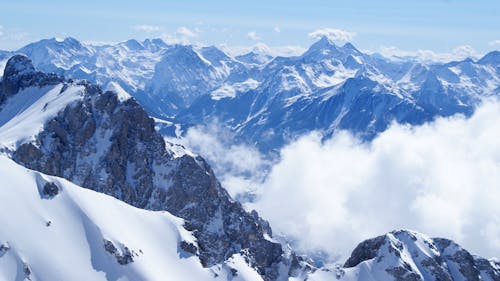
19 73
4 247
123 257
50 190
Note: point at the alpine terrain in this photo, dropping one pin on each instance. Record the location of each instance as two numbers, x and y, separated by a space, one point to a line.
92 190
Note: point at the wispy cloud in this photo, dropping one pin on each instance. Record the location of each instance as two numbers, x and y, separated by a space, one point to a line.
239 167
277 29
21 36
252 35
147 28
1 30
494 43
186 32
333 34
458 53
182 35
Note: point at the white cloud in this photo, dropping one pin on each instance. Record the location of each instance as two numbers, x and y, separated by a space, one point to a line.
277 29
464 51
186 32
147 28
182 35
458 53
494 42
239 167
1 30
441 179
333 34
252 35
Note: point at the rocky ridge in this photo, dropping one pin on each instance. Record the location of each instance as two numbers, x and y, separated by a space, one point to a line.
111 146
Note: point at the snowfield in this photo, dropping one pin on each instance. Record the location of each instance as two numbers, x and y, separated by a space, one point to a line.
63 237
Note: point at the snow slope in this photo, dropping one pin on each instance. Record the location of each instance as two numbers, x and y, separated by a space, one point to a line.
24 114
63 237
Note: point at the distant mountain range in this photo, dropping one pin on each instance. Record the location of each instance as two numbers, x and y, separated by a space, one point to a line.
269 101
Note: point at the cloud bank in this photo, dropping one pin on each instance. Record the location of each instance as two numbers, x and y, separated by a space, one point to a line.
442 179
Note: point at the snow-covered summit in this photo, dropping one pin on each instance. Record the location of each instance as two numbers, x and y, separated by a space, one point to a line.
407 255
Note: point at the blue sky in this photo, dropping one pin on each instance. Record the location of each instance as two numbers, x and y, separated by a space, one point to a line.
438 25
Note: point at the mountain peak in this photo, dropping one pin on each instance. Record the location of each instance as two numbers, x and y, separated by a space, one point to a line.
154 43
326 47
20 73
323 42
133 45
491 58
18 65
409 255
68 42
350 46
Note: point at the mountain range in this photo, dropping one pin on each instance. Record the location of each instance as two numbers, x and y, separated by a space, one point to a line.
266 101
88 170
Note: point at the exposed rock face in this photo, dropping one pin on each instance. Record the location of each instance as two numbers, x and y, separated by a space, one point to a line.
112 146
50 190
406 255
123 257
4 247
19 74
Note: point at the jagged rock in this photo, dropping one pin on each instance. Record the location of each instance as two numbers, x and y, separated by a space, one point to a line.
19 73
367 250
112 147
27 271
410 256
4 247
300 266
123 257
189 247
50 190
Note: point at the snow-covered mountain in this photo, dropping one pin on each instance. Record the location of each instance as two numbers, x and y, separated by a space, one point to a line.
269 101
185 73
407 255
105 141
186 224
55 230
330 88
